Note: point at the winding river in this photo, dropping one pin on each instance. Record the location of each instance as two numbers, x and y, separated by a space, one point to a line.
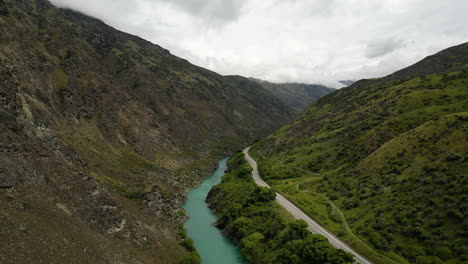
212 246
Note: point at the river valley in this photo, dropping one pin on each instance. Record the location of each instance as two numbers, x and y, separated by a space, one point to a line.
212 246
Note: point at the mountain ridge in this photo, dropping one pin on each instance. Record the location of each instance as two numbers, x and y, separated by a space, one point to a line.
102 132
386 153
296 95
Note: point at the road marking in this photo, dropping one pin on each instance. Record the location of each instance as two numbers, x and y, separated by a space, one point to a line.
314 227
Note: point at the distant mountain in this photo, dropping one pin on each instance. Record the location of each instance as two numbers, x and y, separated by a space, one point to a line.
101 134
295 95
382 162
347 82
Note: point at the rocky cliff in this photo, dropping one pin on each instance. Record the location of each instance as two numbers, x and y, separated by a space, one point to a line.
102 132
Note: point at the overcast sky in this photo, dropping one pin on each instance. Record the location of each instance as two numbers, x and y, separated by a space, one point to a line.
312 41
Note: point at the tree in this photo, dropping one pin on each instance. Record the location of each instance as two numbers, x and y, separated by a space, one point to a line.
295 230
313 249
243 172
252 248
287 257
233 211
241 227
262 195
444 253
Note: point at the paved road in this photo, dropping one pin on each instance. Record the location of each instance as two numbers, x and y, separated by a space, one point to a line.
298 214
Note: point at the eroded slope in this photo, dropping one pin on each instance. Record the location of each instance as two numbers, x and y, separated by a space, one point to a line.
102 132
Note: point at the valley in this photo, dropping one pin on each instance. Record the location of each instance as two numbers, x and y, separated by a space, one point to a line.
102 133
297 96
107 139
209 242
265 231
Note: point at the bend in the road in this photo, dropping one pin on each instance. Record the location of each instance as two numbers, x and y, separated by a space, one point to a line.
313 226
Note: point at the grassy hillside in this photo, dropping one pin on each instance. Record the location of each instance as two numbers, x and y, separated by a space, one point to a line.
382 163
243 208
101 134
298 96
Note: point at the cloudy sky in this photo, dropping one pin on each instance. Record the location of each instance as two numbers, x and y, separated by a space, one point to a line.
312 41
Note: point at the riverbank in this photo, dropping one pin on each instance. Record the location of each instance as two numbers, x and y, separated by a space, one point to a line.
265 233
211 245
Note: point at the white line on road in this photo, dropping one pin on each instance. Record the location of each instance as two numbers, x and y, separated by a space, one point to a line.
314 227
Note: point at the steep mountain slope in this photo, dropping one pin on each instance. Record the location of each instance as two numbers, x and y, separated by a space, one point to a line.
295 95
384 161
102 132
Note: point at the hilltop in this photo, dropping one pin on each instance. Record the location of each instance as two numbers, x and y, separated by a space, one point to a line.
298 96
382 163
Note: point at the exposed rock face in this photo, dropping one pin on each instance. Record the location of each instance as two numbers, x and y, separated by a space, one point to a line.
3 9
101 134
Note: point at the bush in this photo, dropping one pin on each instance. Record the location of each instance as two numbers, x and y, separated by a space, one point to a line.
351 203
378 241
428 260
241 227
252 247
443 253
233 211
243 172
187 243
295 230
192 258
262 195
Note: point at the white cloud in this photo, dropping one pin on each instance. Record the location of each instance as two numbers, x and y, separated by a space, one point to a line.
314 41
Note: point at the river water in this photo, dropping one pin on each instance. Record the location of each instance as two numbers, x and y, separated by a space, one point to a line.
213 247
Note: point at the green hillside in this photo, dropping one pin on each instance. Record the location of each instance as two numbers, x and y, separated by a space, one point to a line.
295 95
382 163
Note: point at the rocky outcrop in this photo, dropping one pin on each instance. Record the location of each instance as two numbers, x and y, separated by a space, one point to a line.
101 134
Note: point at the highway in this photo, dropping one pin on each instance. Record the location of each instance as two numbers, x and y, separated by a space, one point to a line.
298 214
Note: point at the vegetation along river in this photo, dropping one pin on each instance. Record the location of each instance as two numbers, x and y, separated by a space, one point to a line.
212 246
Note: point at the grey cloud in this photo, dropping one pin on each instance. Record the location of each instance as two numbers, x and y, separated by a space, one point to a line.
383 47
218 10
102 9
313 41
309 8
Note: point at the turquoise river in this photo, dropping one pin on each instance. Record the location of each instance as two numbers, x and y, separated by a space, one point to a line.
212 246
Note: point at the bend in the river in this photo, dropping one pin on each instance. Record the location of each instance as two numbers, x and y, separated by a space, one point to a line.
213 247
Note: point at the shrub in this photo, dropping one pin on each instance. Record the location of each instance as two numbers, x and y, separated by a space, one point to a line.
428 260
243 172
443 253
378 241
192 258
262 195
252 247
187 243
241 227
